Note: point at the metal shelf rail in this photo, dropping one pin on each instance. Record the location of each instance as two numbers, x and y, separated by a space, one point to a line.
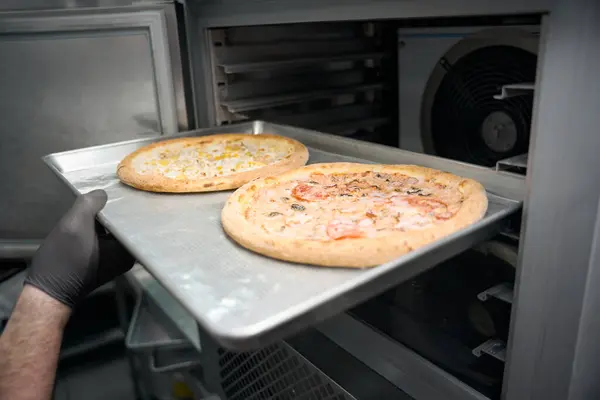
493 347
256 103
516 163
502 291
515 89
298 63
276 73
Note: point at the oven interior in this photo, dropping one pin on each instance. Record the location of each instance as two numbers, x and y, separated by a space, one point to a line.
459 88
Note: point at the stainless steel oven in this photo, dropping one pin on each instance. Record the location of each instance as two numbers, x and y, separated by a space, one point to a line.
506 89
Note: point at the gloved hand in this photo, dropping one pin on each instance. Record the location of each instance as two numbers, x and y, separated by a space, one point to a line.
74 259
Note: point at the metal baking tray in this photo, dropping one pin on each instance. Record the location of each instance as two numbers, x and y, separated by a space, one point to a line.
245 300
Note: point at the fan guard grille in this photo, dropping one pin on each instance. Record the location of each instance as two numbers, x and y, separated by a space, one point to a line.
274 373
467 123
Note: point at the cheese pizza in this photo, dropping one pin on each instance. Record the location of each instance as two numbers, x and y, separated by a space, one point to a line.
210 163
350 215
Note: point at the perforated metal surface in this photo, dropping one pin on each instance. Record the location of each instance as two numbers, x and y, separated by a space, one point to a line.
276 372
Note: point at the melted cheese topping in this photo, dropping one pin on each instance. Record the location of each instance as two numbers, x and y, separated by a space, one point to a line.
343 206
199 161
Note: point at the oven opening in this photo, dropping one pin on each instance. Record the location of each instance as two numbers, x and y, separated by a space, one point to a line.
457 88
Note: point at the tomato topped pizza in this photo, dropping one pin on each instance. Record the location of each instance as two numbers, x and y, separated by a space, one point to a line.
210 163
350 215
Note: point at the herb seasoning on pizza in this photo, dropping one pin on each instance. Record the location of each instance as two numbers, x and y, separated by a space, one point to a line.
350 215
210 163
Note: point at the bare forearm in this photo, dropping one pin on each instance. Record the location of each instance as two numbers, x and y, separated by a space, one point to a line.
29 346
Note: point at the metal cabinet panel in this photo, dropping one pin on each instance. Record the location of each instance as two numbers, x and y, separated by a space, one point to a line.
76 79
261 12
554 352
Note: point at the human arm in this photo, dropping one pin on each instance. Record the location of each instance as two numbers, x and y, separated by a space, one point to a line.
30 344
72 261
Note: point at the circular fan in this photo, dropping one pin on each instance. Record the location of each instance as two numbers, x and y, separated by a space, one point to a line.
461 119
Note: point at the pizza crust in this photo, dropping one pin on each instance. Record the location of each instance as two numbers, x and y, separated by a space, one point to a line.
356 252
160 183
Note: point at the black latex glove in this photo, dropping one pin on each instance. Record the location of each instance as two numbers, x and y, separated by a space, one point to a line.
74 259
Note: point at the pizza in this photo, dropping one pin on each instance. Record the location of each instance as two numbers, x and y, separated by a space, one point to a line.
209 163
350 215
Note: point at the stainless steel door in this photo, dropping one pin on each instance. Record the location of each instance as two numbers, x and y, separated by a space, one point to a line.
74 79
